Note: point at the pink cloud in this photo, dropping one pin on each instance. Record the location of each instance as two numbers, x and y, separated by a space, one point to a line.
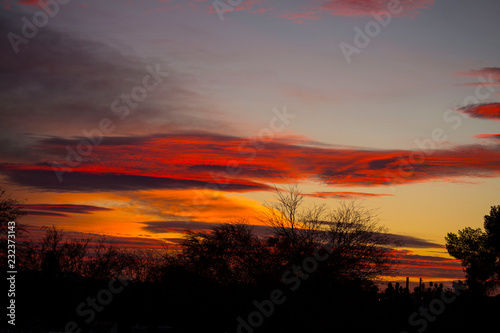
488 76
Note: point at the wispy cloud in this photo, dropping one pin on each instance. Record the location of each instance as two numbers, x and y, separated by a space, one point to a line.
413 242
485 111
428 267
312 10
489 76
366 7
488 136
41 209
345 195
41 213
182 226
300 12
41 176
176 226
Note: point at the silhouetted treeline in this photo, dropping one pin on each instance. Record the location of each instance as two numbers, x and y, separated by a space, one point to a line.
315 272
211 281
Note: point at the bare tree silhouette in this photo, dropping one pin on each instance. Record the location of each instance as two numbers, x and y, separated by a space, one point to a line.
361 248
297 230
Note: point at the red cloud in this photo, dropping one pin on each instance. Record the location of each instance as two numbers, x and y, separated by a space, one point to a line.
8 3
485 111
488 136
190 161
366 7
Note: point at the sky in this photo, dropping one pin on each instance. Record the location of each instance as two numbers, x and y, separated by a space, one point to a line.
137 119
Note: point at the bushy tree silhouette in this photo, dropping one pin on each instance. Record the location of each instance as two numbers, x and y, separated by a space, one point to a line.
479 252
9 209
230 253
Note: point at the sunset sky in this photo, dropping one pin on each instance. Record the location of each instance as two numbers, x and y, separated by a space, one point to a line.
137 119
